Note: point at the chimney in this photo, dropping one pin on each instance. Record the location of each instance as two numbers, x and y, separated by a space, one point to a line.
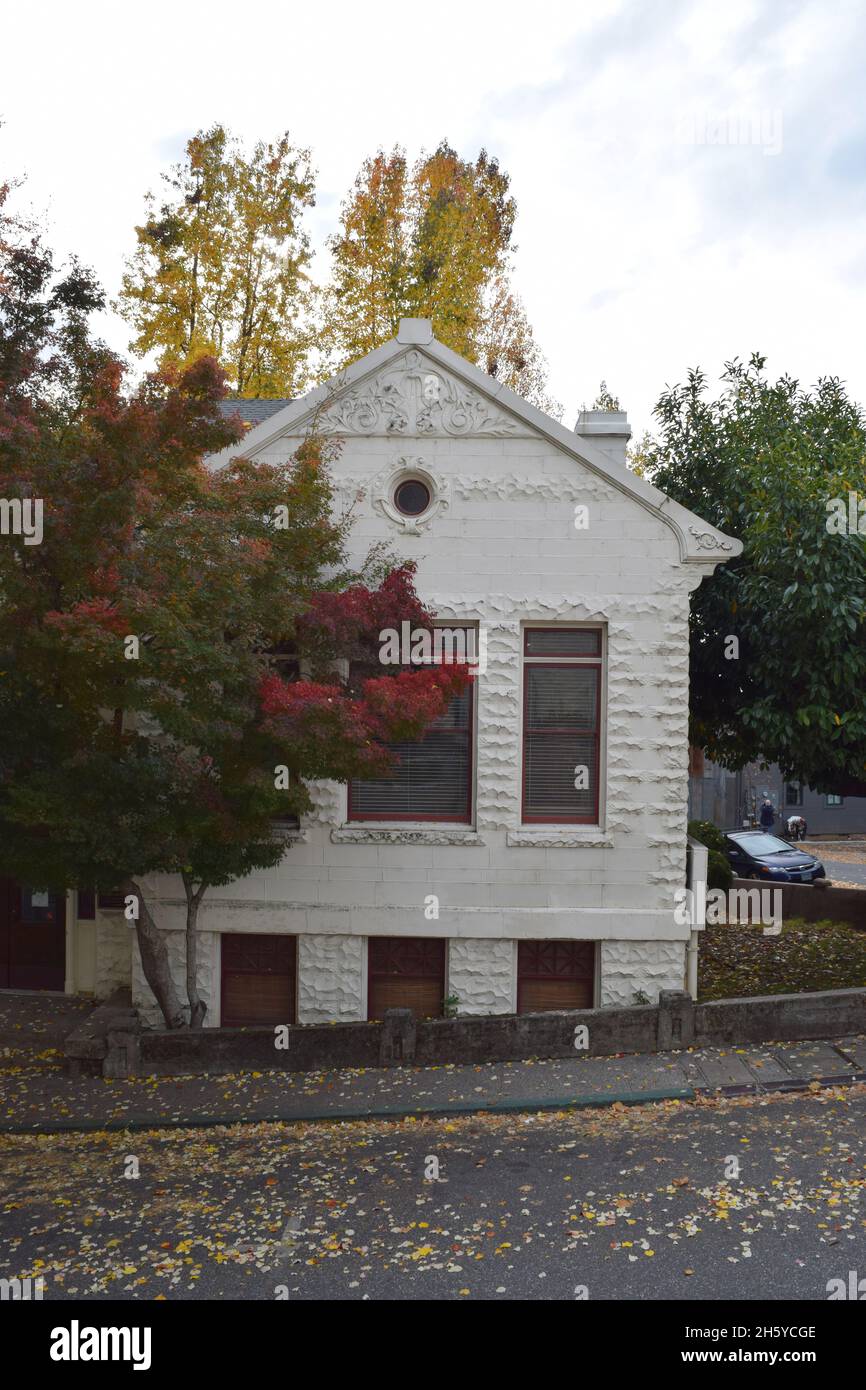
608 430
415 331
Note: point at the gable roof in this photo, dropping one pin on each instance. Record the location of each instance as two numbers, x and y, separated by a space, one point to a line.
699 543
253 412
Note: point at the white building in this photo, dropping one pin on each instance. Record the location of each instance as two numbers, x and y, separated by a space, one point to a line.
553 888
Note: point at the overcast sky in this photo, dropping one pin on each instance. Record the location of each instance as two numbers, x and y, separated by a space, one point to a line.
690 176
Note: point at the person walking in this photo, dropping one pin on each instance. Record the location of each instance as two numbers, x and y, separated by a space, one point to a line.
768 815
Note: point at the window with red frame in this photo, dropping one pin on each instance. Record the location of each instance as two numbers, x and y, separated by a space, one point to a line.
562 669
431 780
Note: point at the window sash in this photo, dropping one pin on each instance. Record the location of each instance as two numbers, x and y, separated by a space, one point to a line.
416 790
552 750
565 643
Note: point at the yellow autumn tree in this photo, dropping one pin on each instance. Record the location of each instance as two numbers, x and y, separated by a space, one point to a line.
507 349
221 265
371 254
431 241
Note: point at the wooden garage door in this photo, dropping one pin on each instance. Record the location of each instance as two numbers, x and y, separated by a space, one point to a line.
258 979
554 975
406 972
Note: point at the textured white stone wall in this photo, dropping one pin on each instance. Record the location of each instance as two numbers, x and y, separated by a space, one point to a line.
207 977
332 974
650 966
502 550
483 975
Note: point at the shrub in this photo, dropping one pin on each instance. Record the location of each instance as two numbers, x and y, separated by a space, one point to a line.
719 872
708 834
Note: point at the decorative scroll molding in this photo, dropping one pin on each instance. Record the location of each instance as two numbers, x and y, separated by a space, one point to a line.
361 836
350 489
412 397
545 487
410 466
708 541
558 839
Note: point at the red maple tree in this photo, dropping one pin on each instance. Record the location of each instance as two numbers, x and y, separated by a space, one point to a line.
144 641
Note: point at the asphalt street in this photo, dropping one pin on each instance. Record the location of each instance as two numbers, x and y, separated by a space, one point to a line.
755 1198
844 872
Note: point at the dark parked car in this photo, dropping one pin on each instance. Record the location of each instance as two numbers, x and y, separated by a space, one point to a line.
758 854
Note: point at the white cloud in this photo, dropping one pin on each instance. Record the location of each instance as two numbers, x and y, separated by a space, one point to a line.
640 254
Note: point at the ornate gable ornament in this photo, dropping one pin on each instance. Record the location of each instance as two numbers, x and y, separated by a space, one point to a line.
412 397
707 540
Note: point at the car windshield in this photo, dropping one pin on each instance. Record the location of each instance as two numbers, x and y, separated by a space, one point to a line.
759 844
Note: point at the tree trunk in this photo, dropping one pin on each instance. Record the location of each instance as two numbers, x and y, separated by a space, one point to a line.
197 1006
154 960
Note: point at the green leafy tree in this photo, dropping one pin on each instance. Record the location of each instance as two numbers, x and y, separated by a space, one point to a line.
221 265
778 635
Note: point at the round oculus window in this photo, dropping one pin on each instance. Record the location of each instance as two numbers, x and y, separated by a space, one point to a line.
412 497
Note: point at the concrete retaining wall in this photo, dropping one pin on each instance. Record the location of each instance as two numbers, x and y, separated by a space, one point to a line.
311 1047
120 1048
815 904
777 1017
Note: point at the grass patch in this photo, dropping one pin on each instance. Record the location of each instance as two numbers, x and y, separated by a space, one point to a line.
737 961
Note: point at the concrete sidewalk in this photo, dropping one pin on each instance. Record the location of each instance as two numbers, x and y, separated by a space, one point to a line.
37 1097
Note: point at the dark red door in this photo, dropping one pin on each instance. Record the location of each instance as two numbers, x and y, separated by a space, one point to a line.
405 972
32 937
554 975
258 979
